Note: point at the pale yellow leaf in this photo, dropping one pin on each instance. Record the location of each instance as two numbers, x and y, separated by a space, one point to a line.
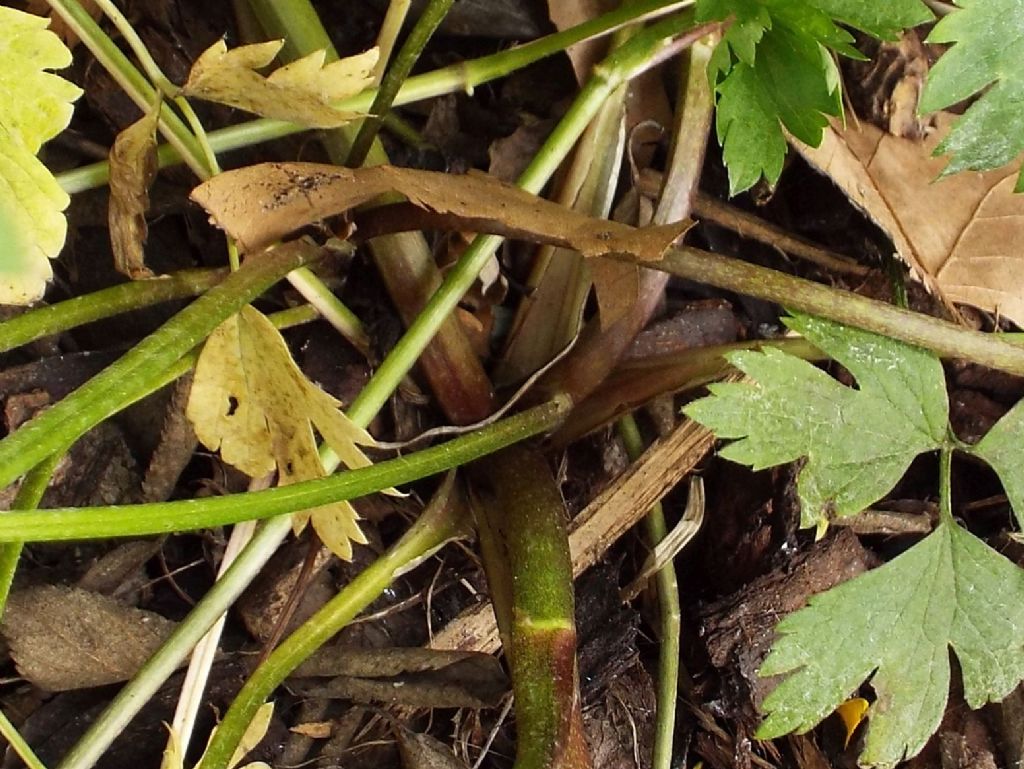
35 105
962 235
252 402
300 92
254 732
173 758
132 169
222 408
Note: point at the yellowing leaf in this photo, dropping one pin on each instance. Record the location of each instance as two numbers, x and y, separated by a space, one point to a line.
254 734
132 168
300 92
35 106
252 402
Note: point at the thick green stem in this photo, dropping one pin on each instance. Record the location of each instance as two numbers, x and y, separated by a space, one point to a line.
440 522
139 370
464 76
61 524
528 564
133 295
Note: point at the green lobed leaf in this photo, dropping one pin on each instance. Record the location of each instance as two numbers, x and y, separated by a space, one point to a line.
794 83
898 622
35 105
857 442
1003 449
779 54
884 19
986 58
747 128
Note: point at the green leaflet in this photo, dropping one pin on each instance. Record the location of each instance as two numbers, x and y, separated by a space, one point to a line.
987 56
898 621
35 106
858 443
1001 448
896 624
774 68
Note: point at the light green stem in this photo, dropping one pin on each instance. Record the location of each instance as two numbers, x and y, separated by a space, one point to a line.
435 526
140 369
669 614
17 742
71 523
464 76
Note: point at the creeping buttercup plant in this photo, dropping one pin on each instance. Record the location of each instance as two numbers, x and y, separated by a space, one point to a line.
772 72
895 624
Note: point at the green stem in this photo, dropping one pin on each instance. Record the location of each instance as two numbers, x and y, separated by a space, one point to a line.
945 339
131 81
525 547
397 73
140 690
139 370
133 295
463 76
28 497
633 57
439 522
669 614
17 742
945 483
61 524
345 321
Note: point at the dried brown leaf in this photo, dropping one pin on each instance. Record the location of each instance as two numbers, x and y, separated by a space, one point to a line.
413 677
66 638
133 166
962 235
260 204
421 751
